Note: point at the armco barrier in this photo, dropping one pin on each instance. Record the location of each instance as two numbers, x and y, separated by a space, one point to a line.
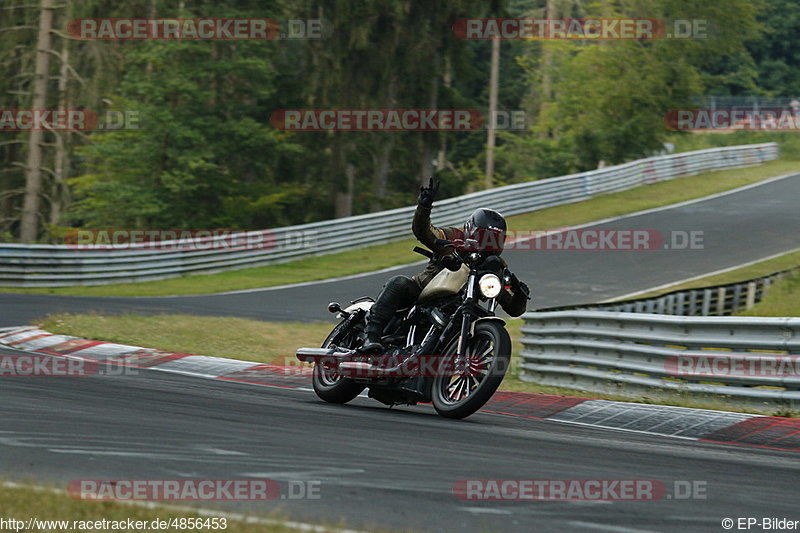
716 300
60 265
753 360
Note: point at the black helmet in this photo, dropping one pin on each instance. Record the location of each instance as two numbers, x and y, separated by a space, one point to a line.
488 227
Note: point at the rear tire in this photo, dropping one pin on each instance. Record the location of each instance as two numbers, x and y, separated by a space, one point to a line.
328 384
489 350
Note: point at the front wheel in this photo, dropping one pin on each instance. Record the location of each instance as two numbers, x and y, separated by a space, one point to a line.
468 387
328 383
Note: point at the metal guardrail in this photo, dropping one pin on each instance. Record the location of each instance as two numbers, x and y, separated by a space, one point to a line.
752 359
62 265
715 300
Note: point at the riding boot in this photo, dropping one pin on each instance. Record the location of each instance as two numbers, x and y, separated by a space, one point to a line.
373 342
398 291
378 317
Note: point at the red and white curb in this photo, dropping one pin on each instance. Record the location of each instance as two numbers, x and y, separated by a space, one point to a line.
33 339
680 422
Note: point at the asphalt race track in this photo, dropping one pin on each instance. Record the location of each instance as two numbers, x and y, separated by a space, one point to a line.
375 467
736 228
396 468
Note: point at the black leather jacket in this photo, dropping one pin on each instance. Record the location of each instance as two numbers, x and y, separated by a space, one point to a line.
513 303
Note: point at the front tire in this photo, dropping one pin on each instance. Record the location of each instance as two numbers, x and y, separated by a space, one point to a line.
460 394
328 384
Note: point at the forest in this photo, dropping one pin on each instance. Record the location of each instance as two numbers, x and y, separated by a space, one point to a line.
189 132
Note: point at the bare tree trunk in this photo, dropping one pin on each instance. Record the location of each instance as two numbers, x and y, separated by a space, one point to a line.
426 164
547 67
381 177
342 192
493 89
59 191
441 157
29 229
344 200
427 138
7 204
151 13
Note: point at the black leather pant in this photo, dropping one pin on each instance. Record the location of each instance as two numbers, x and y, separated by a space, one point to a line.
398 292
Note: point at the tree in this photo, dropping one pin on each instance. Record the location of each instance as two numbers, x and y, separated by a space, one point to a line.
610 98
493 89
775 52
29 228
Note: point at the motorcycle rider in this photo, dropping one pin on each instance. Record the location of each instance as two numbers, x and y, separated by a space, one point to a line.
402 291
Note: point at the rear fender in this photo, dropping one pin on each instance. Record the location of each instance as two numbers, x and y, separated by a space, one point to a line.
365 305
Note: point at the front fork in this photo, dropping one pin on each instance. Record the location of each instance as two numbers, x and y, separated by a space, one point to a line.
462 338
467 318
465 322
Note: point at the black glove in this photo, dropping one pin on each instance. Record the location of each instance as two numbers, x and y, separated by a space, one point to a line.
519 286
524 289
451 262
427 194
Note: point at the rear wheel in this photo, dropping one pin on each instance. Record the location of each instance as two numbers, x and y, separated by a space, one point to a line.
328 383
468 387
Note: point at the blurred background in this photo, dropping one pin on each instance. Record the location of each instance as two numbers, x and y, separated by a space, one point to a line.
206 155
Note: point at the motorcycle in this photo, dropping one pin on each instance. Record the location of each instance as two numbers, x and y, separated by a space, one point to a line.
448 349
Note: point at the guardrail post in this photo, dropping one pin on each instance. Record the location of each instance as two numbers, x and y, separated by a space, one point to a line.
751 295
721 301
706 303
737 299
692 303
680 304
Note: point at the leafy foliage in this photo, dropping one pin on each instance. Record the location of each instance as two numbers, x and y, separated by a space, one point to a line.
206 154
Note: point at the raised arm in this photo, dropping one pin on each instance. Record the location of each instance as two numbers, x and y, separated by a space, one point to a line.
424 231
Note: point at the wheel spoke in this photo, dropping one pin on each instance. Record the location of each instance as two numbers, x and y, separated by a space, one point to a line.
453 380
468 377
479 364
478 370
462 389
453 387
474 348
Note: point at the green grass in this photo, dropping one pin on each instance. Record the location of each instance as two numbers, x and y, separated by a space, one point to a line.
236 338
782 299
398 253
52 503
267 342
762 268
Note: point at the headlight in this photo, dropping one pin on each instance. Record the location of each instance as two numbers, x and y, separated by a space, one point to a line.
490 285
